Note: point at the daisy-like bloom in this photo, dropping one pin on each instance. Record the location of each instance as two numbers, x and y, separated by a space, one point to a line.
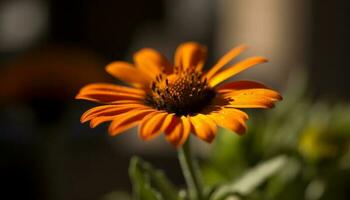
177 99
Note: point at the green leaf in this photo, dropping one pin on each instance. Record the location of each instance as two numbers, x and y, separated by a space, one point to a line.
149 183
252 179
141 182
161 182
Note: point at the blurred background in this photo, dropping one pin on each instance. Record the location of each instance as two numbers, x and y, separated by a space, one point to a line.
51 48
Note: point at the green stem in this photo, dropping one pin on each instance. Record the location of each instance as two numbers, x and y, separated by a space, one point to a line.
190 172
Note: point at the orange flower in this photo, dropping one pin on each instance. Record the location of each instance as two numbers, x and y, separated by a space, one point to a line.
177 99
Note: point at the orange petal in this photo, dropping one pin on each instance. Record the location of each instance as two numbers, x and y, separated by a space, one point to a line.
247 103
99 120
190 54
151 62
249 94
239 85
203 127
153 124
178 131
107 93
242 115
174 132
108 110
186 130
93 112
235 69
253 98
259 92
167 121
118 102
231 119
233 53
112 115
128 120
107 96
129 74
111 88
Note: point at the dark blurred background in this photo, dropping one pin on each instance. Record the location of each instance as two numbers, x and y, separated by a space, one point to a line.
51 48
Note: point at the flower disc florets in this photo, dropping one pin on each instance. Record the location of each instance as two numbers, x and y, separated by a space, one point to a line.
182 93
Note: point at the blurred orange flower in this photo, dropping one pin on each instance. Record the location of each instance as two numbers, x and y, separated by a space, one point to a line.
177 98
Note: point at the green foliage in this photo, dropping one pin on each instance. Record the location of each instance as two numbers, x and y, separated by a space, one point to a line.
251 180
149 183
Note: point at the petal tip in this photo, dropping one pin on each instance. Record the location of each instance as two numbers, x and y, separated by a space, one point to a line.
242 131
279 97
111 133
262 59
78 96
109 67
243 46
83 119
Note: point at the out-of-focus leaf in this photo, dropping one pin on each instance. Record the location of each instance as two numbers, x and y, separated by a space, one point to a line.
150 182
280 183
315 190
161 182
252 179
141 182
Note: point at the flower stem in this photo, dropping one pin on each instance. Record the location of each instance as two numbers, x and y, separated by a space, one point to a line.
190 172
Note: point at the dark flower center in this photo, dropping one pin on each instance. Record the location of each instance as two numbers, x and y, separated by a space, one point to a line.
182 93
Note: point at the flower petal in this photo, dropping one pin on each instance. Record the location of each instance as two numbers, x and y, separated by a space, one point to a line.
174 132
151 62
108 93
239 85
233 53
111 88
259 92
108 110
107 96
119 102
235 69
127 120
110 116
94 122
153 124
249 94
231 119
129 74
248 103
178 131
186 130
253 98
190 54
203 127
93 112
